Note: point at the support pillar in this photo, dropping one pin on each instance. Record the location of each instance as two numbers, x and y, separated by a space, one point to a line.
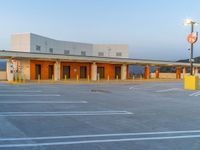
123 72
178 73
146 72
195 70
57 71
157 72
94 72
184 71
10 70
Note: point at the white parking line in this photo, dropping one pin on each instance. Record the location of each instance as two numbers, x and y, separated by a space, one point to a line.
19 91
169 90
195 94
100 141
43 102
133 88
69 113
29 95
100 135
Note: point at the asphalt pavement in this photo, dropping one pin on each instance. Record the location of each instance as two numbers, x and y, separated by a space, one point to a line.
130 116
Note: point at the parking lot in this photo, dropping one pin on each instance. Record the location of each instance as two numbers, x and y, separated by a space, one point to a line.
131 116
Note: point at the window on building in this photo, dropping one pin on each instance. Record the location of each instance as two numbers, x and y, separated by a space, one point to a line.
50 50
83 53
100 54
38 48
66 52
118 54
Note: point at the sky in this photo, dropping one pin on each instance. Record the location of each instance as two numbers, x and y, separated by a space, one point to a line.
153 29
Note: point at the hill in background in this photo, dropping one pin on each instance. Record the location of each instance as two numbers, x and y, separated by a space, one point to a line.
173 69
196 60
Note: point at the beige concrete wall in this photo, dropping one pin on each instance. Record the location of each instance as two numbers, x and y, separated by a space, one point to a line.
165 75
3 75
25 68
197 74
21 69
170 75
20 42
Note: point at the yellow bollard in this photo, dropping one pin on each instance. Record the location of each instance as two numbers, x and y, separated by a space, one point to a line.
140 77
117 77
19 78
38 78
108 78
24 78
15 78
65 78
191 82
88 77
52 78
133 77
98 77
77 78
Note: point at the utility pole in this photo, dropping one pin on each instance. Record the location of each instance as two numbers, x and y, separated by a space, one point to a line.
192 38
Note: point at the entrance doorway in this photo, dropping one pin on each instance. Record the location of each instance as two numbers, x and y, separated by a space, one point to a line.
117 72
37 71
66 72
83 72
100 72
50 71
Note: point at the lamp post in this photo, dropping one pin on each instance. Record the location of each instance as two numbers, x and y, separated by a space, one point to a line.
192 38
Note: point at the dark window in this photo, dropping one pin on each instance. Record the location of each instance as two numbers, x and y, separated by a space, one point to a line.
118 54
66 72
100 54
50 50
83 53
50 71
38 48
37 71
83 72
66 52
100 72
118 72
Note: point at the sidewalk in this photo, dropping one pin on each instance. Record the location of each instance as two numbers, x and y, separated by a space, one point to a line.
129 81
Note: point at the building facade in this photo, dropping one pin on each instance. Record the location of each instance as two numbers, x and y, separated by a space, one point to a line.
34 57
28 42
42 66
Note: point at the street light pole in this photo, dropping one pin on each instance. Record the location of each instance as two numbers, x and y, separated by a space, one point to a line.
191 50
192 38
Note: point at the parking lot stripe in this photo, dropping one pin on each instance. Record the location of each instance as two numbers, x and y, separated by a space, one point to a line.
168 90
29 95
101 135
43 102
69 113
100 141
195 94
133 88
19 91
